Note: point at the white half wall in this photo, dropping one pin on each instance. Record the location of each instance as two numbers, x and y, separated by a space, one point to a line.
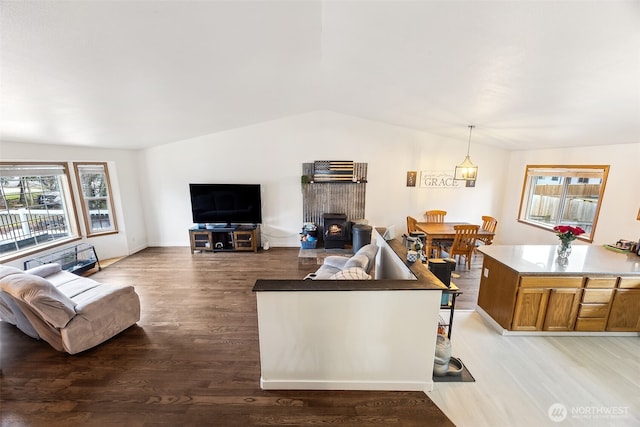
351 340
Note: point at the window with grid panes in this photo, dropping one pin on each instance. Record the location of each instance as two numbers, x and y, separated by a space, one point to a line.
36 209
563 195
95 192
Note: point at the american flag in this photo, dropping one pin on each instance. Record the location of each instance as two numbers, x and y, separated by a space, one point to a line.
333 170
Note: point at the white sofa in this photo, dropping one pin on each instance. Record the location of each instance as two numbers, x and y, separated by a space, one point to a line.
356 267
70 312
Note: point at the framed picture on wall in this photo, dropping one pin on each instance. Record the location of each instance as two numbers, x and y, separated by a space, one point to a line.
412 178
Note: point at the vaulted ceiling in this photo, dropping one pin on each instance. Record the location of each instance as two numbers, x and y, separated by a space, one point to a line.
134 74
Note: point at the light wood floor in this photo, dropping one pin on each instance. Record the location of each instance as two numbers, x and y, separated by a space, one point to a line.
519 378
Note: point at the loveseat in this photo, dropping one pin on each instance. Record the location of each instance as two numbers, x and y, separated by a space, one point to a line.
357 267
70 312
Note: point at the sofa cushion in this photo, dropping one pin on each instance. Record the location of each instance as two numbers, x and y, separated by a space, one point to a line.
45 299
354 273
360 261
6 270
370 251
335 261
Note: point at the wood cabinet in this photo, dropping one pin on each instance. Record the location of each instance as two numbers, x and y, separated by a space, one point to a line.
200 240
600 305
523 288
547 303
230 239
596 303
245 240
625 308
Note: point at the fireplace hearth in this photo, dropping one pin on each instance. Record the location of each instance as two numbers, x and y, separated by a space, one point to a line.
336 231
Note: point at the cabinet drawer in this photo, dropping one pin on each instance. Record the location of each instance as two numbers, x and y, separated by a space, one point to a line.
590 324
629 282
550 282
593 310
597 295
601 282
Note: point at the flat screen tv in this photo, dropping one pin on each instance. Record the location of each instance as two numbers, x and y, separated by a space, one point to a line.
225 204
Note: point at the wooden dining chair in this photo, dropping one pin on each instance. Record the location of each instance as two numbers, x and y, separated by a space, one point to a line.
411 225
489 223
435 216
464 243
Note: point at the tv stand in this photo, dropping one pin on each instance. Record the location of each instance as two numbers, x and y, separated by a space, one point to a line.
229 238
220 227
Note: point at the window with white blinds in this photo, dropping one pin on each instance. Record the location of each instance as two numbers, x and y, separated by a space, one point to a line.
563 195
97 203
36 208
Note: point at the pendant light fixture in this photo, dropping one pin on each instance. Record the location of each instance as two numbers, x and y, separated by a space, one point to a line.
466 170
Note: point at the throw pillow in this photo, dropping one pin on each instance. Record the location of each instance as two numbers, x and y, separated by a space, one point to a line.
354 273
45 299
45 269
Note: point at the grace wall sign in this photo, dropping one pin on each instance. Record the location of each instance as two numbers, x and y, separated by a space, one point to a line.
438 179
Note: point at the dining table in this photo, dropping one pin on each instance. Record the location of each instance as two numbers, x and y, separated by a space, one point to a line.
446 231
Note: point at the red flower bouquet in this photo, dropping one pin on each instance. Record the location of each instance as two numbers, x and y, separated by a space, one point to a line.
567 233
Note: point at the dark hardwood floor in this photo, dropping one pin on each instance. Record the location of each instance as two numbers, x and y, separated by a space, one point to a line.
193 359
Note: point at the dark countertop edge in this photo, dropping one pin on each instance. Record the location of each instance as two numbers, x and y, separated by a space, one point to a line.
343 285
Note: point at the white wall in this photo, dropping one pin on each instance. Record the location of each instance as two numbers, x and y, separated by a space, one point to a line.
620 203
151 186
272 154
123 166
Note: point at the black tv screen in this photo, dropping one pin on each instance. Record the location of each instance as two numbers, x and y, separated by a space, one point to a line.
226 203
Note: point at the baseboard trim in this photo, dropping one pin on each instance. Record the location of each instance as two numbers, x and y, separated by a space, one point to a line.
424 386
502 331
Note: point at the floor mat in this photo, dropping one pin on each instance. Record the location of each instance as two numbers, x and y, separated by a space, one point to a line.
464 377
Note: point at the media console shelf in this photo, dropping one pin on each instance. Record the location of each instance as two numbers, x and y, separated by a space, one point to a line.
225 239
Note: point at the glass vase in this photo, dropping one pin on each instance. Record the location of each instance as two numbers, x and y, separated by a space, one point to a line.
564 250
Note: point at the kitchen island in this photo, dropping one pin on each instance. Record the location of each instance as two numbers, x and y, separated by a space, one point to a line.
523 289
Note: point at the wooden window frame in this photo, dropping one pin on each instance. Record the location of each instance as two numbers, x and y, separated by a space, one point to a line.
568 171
67 195
78 166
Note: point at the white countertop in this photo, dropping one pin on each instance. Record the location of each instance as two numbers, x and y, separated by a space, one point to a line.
543 259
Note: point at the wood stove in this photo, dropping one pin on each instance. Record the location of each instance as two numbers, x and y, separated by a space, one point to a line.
335 231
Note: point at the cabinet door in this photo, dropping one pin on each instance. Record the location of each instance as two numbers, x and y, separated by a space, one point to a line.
562 309
201 240
244 241
625 311
530 309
